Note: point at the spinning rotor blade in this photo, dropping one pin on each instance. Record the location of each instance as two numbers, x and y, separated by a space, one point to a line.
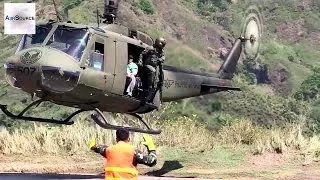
252 31
249 40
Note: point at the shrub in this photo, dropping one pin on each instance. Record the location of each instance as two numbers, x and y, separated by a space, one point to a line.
146 6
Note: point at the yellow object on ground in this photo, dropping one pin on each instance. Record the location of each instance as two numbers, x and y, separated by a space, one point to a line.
92 143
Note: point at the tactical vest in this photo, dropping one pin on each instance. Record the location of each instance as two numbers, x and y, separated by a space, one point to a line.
119 165
151 58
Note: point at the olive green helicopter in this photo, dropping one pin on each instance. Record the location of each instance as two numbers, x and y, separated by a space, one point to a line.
85 67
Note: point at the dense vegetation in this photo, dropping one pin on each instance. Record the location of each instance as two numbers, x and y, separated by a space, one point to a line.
287 65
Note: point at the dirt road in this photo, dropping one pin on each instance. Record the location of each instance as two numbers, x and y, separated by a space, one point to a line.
34 176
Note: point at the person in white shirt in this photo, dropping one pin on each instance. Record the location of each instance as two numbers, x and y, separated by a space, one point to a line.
132 70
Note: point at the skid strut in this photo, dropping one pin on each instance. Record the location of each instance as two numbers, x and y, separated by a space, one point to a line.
104 124
22 117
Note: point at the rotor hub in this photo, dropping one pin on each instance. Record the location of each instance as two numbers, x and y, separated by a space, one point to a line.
252 38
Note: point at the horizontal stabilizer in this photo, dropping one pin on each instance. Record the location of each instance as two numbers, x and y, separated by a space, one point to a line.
220 88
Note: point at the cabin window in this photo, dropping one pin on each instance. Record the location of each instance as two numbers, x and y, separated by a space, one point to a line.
70 40
96 56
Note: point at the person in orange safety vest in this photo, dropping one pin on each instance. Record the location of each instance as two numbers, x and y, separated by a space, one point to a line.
122 159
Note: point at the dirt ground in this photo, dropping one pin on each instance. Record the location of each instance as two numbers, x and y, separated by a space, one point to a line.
267 166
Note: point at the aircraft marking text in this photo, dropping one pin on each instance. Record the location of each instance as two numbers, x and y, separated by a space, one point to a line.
179 84
28 71
186 84
167 83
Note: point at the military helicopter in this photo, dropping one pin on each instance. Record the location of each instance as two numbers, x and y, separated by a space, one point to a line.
84 66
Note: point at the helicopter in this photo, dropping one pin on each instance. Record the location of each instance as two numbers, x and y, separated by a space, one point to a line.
84 67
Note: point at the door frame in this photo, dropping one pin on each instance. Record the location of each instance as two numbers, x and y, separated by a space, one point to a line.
108 62
120 66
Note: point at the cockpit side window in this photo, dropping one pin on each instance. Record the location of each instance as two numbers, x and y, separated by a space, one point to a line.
96 57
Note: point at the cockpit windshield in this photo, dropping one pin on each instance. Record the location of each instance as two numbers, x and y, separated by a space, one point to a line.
70 40
28 40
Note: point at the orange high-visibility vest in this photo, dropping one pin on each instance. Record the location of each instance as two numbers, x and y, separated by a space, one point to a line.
119 165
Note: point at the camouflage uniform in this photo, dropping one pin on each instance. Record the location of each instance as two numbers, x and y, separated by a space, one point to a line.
150 59
161 59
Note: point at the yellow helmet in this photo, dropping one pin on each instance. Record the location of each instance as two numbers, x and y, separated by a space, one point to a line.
160 43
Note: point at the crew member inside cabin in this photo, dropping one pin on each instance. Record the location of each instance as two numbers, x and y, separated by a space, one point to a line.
132 70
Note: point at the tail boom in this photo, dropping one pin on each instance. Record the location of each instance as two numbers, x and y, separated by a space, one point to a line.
182 84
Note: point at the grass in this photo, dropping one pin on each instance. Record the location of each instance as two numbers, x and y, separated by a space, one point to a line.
184 147
183 133
182 56
155 32
85 12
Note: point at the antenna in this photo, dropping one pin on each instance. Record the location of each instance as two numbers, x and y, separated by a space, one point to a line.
98 16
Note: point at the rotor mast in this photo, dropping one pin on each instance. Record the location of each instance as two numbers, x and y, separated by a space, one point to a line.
110 11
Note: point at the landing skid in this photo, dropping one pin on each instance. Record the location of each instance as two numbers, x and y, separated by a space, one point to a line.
37 103
102 122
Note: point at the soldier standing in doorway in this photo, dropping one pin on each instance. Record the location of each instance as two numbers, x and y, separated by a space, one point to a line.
151 59
160 44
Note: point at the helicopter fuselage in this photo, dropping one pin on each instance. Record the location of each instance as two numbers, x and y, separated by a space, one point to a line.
70 85
85 68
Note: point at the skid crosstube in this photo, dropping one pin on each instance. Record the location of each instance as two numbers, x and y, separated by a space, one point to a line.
107 125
